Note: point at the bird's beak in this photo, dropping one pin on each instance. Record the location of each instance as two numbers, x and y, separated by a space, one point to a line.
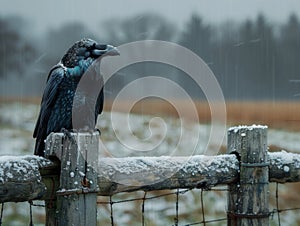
109 51
112 51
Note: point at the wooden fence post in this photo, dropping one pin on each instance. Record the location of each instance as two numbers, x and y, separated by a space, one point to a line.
248 198
77 195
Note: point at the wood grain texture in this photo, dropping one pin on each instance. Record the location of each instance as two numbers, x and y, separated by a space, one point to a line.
248 198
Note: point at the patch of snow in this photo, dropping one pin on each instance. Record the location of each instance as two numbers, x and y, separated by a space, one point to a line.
150 170
286 169
282 159
19 115
284 140
235 129
168 138
21 167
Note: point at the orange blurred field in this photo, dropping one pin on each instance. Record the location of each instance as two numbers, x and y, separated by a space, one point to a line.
280 114
285 115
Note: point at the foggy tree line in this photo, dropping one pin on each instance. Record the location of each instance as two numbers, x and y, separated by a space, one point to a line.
15 51
252 59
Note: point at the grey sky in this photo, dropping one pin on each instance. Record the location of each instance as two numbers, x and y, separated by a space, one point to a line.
45 14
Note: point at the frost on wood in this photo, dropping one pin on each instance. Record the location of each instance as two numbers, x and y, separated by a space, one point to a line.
284 167
235 129
156 173
20 179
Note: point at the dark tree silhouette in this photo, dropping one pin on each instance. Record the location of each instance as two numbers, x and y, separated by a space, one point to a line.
15 50
58 40
140 27
290 47
197 36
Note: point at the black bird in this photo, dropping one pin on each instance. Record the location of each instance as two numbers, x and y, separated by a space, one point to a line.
71 100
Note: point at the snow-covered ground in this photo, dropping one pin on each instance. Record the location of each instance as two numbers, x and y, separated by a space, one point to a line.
144 136
141 135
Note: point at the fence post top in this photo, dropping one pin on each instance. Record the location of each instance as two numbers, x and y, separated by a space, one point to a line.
54 142
235 129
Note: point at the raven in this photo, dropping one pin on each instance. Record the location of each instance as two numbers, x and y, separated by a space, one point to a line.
62 95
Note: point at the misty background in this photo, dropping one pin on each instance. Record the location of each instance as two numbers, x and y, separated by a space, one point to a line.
253 50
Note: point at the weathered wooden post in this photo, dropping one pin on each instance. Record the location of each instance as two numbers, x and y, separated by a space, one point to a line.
77 195
248 198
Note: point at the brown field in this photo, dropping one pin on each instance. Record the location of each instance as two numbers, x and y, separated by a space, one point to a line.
278 114
285 115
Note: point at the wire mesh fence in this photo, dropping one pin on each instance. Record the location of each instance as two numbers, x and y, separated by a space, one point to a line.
284 204
176 207
179 207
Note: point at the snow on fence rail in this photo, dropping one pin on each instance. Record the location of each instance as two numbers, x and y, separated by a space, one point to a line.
71 176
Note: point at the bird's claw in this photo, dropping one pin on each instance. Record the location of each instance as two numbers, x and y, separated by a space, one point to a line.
97 130
90 131
68 135
84 130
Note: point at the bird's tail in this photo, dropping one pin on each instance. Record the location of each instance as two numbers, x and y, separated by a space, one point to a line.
39 147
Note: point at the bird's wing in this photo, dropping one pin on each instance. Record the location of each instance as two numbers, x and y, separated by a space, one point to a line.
54 79
100 98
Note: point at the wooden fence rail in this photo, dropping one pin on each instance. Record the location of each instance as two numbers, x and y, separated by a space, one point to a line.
72 175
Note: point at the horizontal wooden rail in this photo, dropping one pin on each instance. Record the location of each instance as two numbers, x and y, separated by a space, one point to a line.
24 178
157 173
284 167
21 179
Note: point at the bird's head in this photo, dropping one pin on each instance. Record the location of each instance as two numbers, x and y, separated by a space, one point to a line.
87 48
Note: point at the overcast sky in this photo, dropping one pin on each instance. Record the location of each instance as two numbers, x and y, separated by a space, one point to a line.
45 14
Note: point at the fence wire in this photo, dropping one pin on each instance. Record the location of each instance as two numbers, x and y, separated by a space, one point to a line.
204 205
180 207
164 196
278 211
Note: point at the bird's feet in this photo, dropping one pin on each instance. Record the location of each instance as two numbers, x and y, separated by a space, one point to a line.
86 130
97 130
82 130
90 131
68 135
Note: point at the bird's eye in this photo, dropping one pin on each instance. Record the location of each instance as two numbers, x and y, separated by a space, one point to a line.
81 51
